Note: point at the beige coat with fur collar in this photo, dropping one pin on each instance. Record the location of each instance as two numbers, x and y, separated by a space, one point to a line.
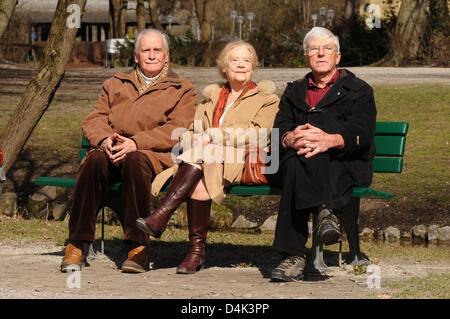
256 109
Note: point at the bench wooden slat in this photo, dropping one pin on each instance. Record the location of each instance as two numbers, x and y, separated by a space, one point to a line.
84 143
391 128
83 152
235 190
268 190
55 181
387 165
390 145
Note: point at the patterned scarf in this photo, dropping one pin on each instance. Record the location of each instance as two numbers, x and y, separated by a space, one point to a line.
144 85
223 97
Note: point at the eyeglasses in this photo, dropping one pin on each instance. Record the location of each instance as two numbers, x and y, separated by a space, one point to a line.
327 49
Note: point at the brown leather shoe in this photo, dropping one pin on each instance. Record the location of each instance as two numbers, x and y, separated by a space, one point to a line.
73 256
138 260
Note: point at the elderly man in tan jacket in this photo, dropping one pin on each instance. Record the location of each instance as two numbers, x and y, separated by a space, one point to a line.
130 131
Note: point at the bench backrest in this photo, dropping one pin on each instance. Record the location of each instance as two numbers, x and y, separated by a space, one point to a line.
390 140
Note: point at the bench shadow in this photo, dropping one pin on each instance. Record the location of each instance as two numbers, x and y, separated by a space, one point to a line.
165 254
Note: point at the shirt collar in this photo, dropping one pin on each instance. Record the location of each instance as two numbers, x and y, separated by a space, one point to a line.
146 79
313 85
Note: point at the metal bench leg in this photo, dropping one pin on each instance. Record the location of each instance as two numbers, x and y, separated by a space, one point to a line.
351 227
316 263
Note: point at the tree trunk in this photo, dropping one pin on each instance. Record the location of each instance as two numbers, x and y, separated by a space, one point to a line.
40 91
122 18
306 9
204 10
6 11
350 16
153 13
349 10
114 12
408 34
140 15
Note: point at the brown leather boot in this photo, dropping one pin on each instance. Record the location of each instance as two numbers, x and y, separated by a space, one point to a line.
74 256
183 182
198 212
138 260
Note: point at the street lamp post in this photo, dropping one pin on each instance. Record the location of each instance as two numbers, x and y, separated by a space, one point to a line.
233 16
212 29
322 12
170 20
250 17
314 18
240 21
326 16
330 16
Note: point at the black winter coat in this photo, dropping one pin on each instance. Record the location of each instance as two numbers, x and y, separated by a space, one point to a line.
328 178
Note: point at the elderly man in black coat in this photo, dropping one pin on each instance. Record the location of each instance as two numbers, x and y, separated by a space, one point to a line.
327 125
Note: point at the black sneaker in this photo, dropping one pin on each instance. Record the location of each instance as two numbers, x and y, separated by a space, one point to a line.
328 232
290 269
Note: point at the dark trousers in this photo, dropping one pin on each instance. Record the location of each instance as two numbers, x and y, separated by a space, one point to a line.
291 232
94 178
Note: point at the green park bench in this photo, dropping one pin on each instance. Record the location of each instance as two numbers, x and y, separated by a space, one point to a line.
390 139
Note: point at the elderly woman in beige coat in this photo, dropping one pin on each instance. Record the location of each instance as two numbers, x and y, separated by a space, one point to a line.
237 106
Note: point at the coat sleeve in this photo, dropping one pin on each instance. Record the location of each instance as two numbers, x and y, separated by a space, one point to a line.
284 121
358 129
95 126
160 138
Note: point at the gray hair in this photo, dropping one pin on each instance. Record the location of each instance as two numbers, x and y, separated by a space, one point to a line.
151 31
319 33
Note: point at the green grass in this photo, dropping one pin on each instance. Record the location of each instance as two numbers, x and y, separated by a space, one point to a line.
383 250
435 286
56 232
426 177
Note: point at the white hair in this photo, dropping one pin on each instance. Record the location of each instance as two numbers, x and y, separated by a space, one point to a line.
320 33
152 31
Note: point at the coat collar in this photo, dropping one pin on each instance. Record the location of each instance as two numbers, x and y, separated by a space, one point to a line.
212 92
171 79
297 92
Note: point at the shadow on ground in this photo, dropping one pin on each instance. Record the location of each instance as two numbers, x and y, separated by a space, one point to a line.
165 254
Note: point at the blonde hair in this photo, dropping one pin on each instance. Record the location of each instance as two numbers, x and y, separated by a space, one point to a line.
222 60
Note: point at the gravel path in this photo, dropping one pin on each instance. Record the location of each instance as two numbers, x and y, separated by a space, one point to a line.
35 274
